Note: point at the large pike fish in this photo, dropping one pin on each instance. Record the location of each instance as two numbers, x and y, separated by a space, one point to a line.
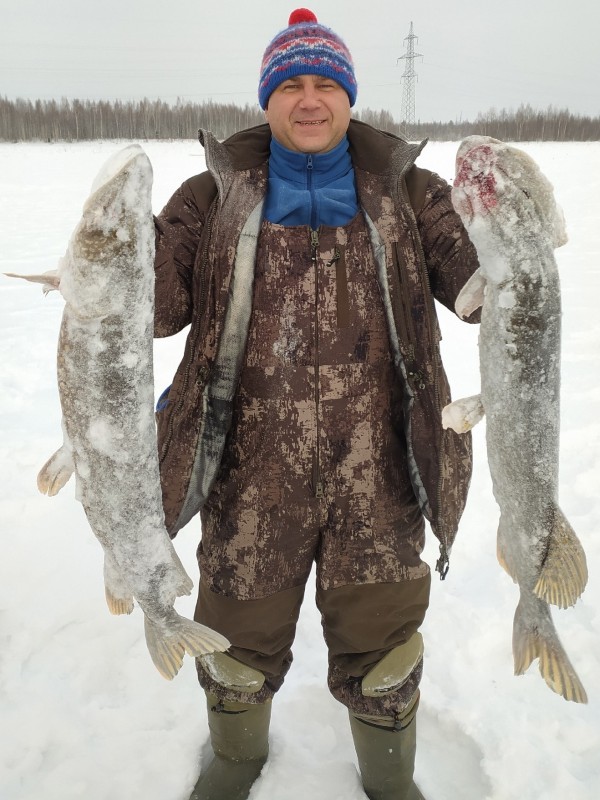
105 381
508 208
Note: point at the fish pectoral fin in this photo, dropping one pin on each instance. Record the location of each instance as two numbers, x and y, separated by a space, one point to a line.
471 295
50 279
56 472
119 598
559 228
535 637
463 414
168 644
564 573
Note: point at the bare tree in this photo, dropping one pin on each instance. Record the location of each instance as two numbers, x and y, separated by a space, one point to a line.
79 120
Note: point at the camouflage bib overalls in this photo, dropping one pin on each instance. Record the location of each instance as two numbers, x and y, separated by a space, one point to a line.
315 470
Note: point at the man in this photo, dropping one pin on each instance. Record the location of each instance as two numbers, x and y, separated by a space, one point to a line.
304 422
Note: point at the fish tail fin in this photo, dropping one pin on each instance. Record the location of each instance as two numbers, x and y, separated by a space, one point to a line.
534 636
167 647
564 573
463 414
56 472
119 598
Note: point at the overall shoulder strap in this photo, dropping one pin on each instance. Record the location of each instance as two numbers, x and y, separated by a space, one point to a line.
204 189
417 180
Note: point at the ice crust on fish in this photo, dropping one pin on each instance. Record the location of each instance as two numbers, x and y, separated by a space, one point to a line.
509 210
106 387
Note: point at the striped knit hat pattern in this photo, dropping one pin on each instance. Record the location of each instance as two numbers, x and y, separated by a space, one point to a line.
305 48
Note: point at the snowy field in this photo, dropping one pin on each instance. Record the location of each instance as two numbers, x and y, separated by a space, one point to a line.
84 713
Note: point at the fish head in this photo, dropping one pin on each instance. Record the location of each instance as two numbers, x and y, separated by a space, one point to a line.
500 191
475 187
532 195
113 244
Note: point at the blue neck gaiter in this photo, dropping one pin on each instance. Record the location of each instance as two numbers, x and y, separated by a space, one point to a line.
311 189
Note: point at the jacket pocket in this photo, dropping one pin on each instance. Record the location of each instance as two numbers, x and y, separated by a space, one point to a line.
403 307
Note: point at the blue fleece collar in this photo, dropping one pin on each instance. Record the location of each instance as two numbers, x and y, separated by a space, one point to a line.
311 189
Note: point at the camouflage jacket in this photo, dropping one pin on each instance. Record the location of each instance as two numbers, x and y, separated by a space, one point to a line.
206 245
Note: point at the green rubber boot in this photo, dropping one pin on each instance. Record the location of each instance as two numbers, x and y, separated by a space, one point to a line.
386 746
386 758
239 736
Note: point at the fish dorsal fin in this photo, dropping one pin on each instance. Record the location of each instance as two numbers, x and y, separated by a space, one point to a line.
564 572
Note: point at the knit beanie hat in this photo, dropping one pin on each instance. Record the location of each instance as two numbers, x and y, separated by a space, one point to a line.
305 48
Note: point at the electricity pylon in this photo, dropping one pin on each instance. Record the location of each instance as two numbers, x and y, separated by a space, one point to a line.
409 78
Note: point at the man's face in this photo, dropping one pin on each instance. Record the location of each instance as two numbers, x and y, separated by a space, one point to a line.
309 114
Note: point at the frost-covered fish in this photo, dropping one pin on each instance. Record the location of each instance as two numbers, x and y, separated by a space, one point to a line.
105 381
508 208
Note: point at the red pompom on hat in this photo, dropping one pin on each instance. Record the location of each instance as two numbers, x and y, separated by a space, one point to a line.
305 47
301 15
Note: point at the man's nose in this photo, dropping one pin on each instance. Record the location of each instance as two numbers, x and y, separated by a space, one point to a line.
310 98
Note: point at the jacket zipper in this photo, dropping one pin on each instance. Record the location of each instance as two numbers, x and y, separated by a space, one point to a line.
309 181
194 343
317 484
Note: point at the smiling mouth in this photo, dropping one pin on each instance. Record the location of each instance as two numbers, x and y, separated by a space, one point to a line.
309 122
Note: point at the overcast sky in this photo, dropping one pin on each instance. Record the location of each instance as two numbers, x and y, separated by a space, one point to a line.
477 54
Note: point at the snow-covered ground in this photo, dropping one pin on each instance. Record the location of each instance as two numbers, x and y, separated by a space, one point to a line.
84 713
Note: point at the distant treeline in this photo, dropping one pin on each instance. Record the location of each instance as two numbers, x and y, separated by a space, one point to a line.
524 125
81 120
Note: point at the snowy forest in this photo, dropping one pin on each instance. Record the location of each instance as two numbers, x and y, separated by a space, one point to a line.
85 120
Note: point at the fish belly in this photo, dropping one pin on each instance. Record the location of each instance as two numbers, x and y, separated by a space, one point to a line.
520 388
